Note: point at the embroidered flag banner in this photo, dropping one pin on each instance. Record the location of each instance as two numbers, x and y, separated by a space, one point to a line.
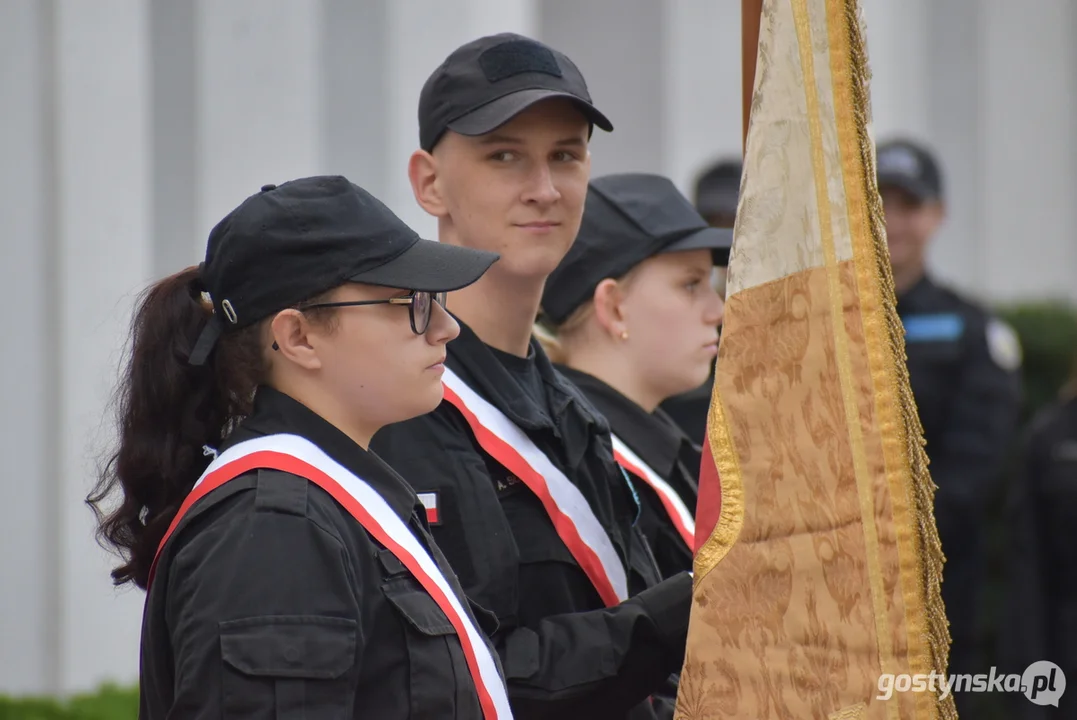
818 563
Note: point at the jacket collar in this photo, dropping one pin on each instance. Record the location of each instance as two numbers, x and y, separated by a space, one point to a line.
275 412
653 436
568 417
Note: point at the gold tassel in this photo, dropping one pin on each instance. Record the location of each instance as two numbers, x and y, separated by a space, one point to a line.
923 488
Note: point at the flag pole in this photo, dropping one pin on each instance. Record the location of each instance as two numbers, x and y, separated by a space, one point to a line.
751 12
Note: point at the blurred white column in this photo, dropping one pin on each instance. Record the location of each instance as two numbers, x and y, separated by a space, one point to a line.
177 239
956 84
898 50
701 85
258 107
355 123
619 47
422 33
1030 169
103 203
924 87
29 561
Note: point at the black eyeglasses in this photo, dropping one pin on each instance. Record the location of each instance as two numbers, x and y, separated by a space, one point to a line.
420 307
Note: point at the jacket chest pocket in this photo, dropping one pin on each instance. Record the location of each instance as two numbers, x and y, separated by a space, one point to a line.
550 581
535 535
288 667
439 682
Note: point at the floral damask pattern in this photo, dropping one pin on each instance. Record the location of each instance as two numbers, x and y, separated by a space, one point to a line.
801 530
788 612
777 200
819 584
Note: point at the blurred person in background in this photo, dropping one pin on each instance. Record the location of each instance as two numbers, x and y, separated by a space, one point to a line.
632 319
717 191
1040 622
964 370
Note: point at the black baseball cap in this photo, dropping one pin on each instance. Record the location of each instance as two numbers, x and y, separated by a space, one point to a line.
487 82
291 242
627 218
909 166
718 188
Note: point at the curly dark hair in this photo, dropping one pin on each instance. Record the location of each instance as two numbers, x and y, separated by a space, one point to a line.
169 411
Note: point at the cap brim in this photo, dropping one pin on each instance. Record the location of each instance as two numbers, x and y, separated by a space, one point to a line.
496 113
431 267
907 184
717 240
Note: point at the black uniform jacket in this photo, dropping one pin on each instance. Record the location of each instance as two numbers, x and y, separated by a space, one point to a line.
564 653
660 443
963 371
1041 592
689 410
270 600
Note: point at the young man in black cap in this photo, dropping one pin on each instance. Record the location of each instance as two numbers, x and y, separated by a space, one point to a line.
633 320
963 366
522 488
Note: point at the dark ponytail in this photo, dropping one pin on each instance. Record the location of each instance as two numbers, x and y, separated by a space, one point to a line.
169 412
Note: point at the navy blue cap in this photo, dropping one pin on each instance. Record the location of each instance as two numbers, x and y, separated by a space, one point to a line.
909 166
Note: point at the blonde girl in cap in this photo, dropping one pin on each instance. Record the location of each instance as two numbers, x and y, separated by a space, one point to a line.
632 319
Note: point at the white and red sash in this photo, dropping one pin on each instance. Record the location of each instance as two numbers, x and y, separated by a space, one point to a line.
569 510
671 501
299 456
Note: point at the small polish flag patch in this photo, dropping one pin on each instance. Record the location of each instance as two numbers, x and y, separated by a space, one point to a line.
430 502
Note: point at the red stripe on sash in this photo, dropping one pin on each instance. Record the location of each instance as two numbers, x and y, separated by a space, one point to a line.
686 533
269 459
513 461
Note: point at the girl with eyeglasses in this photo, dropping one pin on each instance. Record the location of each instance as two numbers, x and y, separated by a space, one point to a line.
289 571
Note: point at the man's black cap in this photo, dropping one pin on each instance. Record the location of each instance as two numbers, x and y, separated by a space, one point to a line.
487 82
718 189
909 166
627 219
292 242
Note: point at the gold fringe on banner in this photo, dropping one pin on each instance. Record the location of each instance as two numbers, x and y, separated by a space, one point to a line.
910 431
